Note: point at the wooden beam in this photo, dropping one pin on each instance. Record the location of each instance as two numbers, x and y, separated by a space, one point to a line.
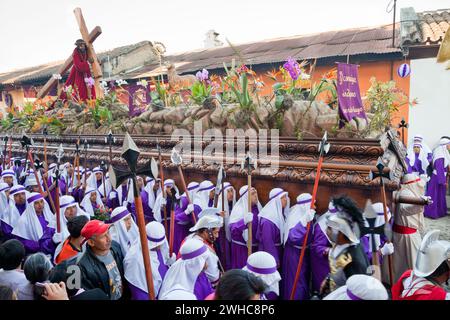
96 69
66 66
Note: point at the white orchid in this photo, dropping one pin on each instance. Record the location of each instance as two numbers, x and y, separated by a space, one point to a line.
143 83
104 84
56 76
305 76
121 82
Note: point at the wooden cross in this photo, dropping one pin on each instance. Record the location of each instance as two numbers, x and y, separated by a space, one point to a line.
89 38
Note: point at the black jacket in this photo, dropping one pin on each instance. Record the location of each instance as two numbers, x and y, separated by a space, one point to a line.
94 273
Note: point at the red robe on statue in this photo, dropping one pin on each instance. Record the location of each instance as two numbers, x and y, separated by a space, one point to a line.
79 72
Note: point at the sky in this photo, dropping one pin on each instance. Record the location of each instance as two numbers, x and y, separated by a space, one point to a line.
34 32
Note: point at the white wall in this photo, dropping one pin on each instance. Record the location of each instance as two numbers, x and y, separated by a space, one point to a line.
430 84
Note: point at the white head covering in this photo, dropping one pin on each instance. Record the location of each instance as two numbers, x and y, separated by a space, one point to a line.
241 207
108 186
92 180
360 287
14 214
208 222
151 195
192 189
185 271
86 202
179 293
226 186
124 200
423 155
322 220
134 263
299 213
119 231
273 211
9 173
263 265
202 196
379 221
157 207
4 201
64 203
418 138
441 152
28 226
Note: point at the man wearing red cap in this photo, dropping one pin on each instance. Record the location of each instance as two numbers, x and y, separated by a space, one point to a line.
102 264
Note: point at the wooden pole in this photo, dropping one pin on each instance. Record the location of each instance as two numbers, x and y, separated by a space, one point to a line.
383 192
34 171
163 189
144 241
96 69
249 208
308 227
183 182
66 66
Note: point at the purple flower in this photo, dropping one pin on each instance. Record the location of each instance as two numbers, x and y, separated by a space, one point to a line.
89 81
202 75
293 68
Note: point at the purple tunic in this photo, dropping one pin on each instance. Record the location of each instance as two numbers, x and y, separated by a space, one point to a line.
61 185
6 228
148 214
417 166
136 293
271 296
290 262
269 239
202 287
45 243
319 249
239 250
183 223
436 189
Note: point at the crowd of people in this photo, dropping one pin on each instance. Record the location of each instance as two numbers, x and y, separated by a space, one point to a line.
94 251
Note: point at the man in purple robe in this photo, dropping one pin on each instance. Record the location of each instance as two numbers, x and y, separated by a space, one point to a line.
8 177
52 186
188 272
170 203
437 186
271 227
418 156
299 216
238 224
183 216
122 196
320 247
159 259
35 226
16 209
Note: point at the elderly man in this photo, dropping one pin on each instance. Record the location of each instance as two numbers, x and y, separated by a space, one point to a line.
101 265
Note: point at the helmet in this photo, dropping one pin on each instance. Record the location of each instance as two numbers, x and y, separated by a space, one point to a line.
431 254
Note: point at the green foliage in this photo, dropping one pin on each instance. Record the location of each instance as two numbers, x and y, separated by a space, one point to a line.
101 115
8 122
200 91
384 99
237 82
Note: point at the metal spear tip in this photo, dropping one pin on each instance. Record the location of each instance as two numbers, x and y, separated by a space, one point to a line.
60 152
130 152
219 180
38 164
324 146
26 141
154 168
175 157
